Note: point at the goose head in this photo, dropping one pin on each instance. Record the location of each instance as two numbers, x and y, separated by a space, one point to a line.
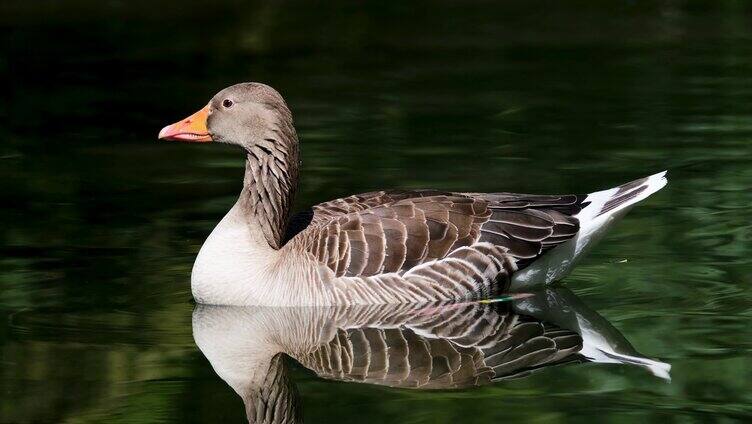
247 115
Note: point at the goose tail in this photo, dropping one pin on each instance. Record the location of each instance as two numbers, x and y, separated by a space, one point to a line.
605 207
602 209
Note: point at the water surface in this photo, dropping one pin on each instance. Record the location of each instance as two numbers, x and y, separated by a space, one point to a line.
102 222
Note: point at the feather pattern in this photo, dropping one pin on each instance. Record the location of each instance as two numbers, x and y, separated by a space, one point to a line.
398 235
424 245
271 177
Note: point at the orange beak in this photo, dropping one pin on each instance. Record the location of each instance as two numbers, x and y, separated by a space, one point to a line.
191 129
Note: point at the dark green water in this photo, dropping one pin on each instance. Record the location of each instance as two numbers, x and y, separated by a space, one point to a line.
101 222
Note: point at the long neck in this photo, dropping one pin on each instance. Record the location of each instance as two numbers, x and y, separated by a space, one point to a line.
271 179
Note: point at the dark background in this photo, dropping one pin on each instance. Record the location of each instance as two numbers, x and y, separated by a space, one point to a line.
101 222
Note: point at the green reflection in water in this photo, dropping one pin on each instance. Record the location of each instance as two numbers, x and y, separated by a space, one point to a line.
102 222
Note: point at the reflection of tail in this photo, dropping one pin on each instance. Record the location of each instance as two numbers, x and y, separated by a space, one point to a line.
601 342
603 209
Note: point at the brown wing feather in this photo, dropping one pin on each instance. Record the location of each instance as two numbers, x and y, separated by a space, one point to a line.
393 231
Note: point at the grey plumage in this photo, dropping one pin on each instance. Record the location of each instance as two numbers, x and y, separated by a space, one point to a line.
396 246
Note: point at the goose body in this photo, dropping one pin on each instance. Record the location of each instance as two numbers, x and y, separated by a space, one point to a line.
396 246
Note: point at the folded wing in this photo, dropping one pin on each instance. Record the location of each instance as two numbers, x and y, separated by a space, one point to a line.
394 231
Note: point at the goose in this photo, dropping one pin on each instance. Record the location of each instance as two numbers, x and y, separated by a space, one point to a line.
445 347
381 247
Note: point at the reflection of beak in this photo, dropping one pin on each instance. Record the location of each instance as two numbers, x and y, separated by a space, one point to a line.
191 129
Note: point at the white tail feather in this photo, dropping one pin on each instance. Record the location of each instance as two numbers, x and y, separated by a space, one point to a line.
604 208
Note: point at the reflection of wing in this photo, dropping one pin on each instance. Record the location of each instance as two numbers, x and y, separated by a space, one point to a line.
445 348
439 347
393 231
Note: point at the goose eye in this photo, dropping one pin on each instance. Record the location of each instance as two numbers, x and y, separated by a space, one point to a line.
227 103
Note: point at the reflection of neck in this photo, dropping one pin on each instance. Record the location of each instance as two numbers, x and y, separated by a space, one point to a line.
275 399
240 343
271 178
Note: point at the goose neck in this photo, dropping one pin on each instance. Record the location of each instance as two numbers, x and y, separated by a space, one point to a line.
271 178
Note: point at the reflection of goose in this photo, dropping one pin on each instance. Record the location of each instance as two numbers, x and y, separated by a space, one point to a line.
380 247
437 347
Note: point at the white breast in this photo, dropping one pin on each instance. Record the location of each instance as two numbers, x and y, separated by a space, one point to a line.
231 263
